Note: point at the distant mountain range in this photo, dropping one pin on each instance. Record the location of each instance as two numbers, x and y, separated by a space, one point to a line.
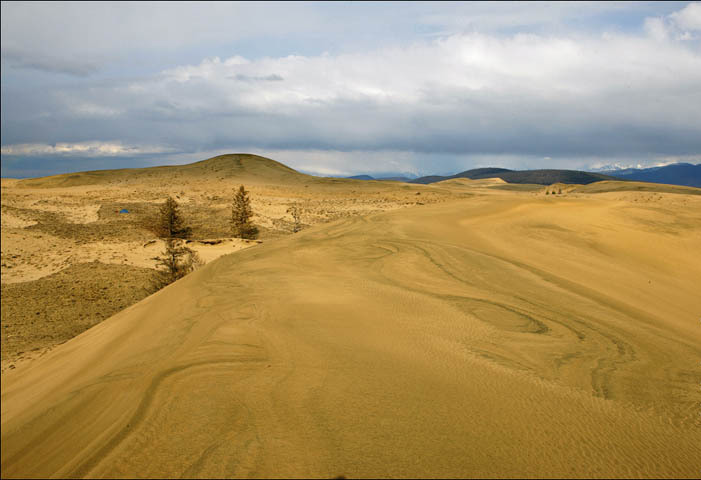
247 166
684 174
542 177
368 177
676 174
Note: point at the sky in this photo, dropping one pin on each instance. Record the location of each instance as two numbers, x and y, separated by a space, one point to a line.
345 88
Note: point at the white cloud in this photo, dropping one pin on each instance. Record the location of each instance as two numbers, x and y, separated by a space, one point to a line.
679 25
657 28
474 63
82 149
472 79
688 18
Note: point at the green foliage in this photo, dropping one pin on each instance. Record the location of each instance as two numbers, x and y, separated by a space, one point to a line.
241 214
177 260
174 263
169 223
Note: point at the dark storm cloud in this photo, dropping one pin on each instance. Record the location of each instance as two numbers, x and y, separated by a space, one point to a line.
28 60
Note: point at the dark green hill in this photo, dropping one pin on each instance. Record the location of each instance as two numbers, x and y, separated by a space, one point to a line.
541 177
548 177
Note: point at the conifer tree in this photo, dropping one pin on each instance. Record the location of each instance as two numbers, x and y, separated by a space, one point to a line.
169 223
177 260
241 214
174 263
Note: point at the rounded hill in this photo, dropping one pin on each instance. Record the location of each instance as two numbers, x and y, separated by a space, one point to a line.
242 166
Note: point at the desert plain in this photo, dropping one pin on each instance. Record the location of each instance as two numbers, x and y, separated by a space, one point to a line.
459 329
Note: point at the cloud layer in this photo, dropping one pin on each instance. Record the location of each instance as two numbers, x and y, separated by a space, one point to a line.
446 100
85 149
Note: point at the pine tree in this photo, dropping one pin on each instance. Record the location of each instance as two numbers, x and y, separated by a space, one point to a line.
174 263
169 223
241 214
177 260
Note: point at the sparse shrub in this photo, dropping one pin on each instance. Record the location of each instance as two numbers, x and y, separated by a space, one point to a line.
241 214
169 223
547 192
296 213
174 263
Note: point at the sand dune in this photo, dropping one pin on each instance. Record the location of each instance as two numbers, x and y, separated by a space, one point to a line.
512 335
470 182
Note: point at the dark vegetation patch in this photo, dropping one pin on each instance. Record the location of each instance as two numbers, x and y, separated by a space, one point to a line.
110 226
27 213
118 230
49 311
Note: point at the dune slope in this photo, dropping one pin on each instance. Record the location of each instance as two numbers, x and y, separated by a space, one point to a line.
496 336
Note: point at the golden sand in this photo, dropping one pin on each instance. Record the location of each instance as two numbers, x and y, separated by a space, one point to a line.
502 335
